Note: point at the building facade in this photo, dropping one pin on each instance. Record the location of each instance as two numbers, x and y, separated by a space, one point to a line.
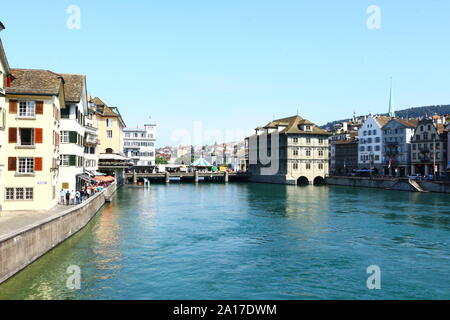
301 156
429 148
31 150
344 156
370 136
139 145
397 137
91 140
5 78
72 133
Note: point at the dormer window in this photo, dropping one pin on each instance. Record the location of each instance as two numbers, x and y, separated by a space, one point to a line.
307 128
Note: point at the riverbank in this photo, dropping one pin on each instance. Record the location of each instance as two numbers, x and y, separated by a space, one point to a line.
26 237
387 183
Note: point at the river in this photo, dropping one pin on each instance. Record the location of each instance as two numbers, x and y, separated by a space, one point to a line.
251 241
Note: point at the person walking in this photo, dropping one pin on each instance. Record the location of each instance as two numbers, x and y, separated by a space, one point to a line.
72 197
77 197
62 195
67 197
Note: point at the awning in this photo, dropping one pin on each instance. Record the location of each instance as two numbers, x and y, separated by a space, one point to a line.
85 177
105 179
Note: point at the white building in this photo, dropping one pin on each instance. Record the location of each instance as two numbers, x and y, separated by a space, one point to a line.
71 168
370 149
139 145
4 79
91 142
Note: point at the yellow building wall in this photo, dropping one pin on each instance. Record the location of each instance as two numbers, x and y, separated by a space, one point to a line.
116 142
45 182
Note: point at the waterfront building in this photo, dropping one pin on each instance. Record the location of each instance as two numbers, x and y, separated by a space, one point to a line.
139 146
397 136
31 150
5 78
344 156
370 135
429 148
91 141
111 158
302 151
72 135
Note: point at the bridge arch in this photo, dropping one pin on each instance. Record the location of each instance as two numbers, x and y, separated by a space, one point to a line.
302 181
319 181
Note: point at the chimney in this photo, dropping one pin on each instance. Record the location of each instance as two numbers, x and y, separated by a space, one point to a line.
2 26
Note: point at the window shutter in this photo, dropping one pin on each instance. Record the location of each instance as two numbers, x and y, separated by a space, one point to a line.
39 107
12 135
12 163
12 106
72 136
37 164
38 135
72 160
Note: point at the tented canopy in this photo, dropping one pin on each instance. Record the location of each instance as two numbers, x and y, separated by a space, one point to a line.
201 163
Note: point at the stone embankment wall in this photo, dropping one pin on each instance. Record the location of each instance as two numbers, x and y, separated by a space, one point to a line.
21 247
388 183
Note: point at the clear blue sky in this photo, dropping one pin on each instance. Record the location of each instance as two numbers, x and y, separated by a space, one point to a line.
237 64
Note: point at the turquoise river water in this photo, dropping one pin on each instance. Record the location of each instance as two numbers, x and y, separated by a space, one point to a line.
251 241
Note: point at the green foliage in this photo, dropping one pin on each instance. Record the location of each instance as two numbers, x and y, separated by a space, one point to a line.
160 160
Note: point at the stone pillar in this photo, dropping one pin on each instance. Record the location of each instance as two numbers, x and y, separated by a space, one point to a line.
167 177
196 176
134 177
226 177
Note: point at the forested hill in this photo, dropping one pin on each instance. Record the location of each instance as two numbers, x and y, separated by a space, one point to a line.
411 113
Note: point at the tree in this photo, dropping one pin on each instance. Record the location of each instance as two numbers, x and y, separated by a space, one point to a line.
160 160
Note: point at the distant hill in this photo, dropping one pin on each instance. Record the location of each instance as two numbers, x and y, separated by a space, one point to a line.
410 112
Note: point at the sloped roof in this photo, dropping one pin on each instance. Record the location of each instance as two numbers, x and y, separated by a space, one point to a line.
30 81
107 111
3 58
293 125
409 123
382 120
73 86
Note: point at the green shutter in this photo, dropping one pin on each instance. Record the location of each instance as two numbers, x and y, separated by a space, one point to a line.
72 160
73 136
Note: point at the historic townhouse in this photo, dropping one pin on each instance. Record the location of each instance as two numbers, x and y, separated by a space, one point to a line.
5 78
72 134
370 153
91 141
429 148
31 150
139 146
303 152
397 137
111 135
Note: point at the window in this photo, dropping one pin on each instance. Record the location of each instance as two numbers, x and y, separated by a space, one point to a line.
64 160
320 140
308 166
9 193
20 193
295 140
109 123
26 165
308 153
127 135
27 109
320 153
28 193
308 140
295 152
320 166
377 148
26 137
295 166
109 134
362 149
65 137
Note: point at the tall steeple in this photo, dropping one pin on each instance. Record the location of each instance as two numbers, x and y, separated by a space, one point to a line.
391 103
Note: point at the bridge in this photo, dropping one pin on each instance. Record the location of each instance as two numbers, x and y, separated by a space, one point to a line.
195 176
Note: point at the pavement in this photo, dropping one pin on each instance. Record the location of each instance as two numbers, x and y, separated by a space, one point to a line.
13 221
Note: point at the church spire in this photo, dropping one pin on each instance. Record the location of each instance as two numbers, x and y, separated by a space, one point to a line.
391 103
